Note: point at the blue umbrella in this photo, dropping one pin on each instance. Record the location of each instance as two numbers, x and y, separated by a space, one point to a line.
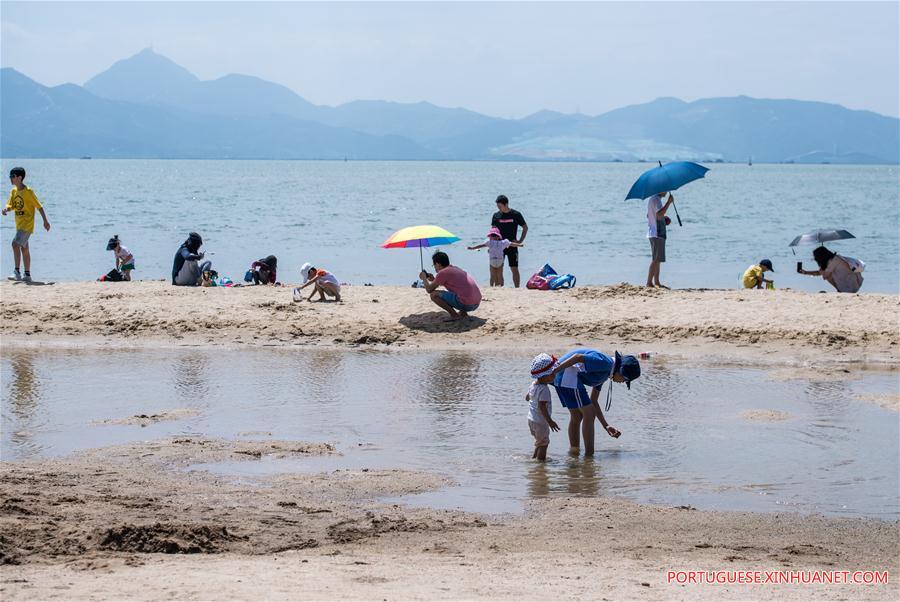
666 178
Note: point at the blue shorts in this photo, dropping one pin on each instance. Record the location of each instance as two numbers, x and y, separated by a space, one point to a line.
453 301
573 398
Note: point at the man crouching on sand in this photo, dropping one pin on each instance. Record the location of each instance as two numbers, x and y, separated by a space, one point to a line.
586 367
462 294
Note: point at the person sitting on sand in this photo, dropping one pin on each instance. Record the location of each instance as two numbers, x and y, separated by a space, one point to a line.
586 367
843 273
124 258
753 277
264 271
323 282
187 269
462 294
496 245
539 421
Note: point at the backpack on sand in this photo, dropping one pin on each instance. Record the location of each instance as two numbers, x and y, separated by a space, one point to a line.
113 275
562 282
541 280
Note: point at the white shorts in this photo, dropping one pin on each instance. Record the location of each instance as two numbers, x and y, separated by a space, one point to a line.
496 263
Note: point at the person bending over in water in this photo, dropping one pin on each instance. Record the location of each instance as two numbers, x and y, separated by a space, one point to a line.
586 367
322 282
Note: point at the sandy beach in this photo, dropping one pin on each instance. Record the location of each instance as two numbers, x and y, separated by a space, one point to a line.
730 322
132 521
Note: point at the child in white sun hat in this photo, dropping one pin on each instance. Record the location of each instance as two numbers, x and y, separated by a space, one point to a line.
539 421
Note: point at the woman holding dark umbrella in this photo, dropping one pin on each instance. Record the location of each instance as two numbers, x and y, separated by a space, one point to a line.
843 273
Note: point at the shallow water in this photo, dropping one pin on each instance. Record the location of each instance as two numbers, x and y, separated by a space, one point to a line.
687 438
336 214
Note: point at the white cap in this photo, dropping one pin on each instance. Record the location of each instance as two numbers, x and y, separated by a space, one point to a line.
305 271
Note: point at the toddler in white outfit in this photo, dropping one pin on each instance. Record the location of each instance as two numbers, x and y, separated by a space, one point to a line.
496 245
539 409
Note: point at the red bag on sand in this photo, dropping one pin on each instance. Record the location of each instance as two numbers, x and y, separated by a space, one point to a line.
538 282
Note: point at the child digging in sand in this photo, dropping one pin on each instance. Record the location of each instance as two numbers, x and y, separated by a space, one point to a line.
124 258
496 245
322 282
753 277
539 422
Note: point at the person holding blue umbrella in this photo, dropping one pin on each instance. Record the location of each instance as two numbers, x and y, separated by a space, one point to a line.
654 185
656 234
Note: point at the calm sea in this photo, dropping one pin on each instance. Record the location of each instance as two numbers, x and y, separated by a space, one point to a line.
336 214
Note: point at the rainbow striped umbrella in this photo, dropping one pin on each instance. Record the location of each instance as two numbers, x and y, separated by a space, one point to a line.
419 236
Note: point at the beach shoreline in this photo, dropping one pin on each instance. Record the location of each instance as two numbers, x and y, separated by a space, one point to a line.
97 523
132 522
857 328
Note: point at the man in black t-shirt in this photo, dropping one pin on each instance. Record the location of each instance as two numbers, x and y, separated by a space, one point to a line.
508 221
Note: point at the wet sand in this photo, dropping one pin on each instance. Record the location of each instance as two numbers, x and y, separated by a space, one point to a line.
130 522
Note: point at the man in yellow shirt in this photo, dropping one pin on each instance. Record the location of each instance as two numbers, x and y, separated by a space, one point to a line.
753 277
23 201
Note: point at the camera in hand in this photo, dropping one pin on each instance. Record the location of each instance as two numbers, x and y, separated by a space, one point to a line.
799 267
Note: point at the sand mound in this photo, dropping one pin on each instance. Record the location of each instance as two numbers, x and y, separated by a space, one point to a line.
766 415
162 538
148 419
888 401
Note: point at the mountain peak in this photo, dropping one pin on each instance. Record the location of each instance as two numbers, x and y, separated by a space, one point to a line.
146 74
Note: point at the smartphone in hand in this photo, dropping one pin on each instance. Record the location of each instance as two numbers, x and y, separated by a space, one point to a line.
799 267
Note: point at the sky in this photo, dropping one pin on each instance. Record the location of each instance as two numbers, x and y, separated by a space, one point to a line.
506 59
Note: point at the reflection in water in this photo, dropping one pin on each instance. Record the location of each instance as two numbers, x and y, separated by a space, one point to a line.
24 395
24 386
538 480
660 396
452 382
686 437
451 394
828 397
579 477
190 376
319 371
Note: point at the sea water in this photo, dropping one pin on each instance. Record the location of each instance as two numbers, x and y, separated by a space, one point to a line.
336 214
707 436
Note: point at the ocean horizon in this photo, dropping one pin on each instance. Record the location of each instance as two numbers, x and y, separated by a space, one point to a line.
336 214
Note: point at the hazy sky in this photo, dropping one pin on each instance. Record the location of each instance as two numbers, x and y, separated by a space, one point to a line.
506 59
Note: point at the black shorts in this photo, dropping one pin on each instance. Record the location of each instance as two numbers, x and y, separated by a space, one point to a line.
512 256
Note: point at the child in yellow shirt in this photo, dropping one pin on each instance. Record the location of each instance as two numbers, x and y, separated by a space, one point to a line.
23 201
753 277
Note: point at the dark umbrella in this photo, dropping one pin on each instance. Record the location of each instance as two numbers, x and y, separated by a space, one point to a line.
818 237
666 178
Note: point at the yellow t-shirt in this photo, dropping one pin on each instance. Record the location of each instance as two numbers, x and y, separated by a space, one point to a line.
24 203
753 276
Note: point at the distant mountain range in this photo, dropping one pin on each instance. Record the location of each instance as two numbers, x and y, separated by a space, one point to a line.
147 106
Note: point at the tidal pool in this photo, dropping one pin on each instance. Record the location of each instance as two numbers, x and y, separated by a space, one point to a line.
707 436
